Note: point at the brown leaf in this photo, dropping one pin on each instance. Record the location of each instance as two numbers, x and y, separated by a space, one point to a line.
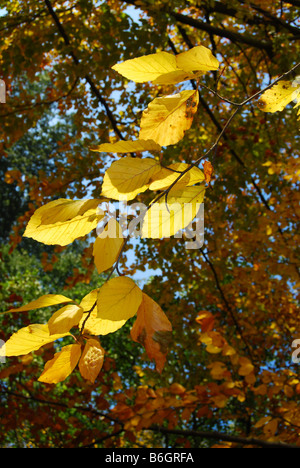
153 330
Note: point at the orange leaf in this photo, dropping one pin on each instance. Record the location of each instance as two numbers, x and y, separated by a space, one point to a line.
91 360
152 329
208 170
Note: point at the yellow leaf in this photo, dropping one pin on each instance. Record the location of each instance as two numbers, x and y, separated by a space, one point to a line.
64 319
29 339
163 220
91 361
135 146
108 246
262 421
62 365
161 68
246 366
128 177
197 59
153 330
44 301
62 221
119 299
278 97
92 324
167 118
165 177
270 428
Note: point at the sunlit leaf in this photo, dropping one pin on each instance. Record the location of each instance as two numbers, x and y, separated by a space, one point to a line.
91 360
153 330
62 221
62 365
166 219
108 246
119 299
168 118
44 301
125 178
29 339
161 68
64 319
165 177
197 59
134 146
94 325
278 97
208 171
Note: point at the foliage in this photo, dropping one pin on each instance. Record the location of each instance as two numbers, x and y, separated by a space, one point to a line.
204 95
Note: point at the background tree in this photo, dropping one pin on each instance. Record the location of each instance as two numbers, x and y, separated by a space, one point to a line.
229 378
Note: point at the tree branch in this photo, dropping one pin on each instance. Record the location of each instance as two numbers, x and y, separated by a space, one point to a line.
89 80
215 435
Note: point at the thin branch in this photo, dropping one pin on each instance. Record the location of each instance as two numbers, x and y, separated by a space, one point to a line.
215 435
227 305
89 80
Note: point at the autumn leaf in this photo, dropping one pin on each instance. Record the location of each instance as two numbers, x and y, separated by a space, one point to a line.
108 246
47 300
132 146
119 299
168 118
64 319
91 360
167 176
208 171
160 68
29 339
62 365
246 367
197 59
125 178
62 221
153 330
278 96
94 325
165 220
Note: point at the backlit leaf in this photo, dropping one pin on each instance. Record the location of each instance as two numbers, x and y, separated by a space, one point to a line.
208 171
62 365
119 299
108 246
134 146
165 177
64 319
278 97
167 118
161 68
197 59
94 325
44 301
127 177
29 339
91 360
153 330
165 220
62 221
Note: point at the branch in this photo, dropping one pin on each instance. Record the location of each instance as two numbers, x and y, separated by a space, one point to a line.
89 80
220 436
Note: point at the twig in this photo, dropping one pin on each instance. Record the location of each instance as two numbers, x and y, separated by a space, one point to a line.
220 436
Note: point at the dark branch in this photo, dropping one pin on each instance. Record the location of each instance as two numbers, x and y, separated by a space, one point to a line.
219 436
89 80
